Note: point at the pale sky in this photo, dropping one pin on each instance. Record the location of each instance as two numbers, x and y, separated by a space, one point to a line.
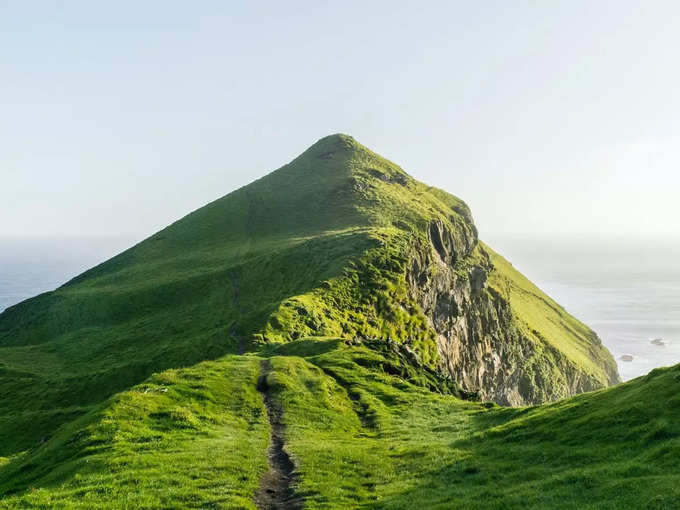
548 118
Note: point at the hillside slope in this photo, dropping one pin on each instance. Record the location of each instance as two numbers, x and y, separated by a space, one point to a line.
322 338
362 433
339 242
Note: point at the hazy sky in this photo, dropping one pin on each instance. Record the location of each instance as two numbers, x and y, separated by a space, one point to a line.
548 118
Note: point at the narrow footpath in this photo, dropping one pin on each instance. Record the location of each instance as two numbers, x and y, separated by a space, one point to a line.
276 490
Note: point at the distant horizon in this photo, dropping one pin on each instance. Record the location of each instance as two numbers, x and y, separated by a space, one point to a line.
530 233
484 210
625 289
553 118
614 240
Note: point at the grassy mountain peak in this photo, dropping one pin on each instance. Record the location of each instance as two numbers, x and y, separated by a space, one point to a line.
339 254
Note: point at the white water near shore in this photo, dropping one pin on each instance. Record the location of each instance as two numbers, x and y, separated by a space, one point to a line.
629 293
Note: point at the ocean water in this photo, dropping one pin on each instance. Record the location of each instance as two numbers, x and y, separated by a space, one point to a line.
29 267
628 292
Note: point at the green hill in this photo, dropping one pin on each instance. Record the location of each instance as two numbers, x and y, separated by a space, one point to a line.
360 437
347 316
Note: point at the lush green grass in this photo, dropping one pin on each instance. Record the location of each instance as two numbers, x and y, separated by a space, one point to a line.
215 282
615 449
185 438
319 247
360 437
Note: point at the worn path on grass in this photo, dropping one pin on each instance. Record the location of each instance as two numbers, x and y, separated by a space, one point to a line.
276 485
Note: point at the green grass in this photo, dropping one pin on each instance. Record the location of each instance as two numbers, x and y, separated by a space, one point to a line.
185 438
224 279
361 438
318 248
608 449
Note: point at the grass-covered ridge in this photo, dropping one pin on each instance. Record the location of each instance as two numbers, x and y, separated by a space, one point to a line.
318 247
139 382
217 281
183 438
360 436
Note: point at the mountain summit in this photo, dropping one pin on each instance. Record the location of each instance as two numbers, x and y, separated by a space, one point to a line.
339 242
340 247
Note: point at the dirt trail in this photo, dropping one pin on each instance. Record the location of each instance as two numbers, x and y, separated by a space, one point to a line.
277 485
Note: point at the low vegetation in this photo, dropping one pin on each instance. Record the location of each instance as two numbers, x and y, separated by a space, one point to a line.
360 437
140 383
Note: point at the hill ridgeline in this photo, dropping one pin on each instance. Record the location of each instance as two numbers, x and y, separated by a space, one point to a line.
339 242
331 335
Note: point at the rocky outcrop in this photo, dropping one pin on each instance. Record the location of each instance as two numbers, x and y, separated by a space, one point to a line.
480 343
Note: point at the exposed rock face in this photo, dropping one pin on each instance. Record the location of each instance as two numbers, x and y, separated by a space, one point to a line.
479 343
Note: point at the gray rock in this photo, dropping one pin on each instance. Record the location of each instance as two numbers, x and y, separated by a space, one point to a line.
479 343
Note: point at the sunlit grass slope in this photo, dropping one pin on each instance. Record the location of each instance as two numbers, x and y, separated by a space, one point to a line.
361 436
318 247
402 447
190 438
135 384
213 283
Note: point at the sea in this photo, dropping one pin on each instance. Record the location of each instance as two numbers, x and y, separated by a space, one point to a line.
29 267
628 291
